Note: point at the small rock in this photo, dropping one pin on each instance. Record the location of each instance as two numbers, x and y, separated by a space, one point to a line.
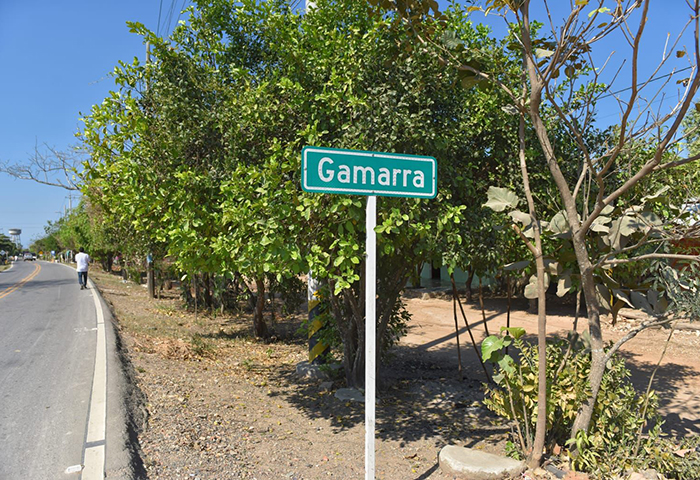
555 471
310 371
325 386
350 394
649 474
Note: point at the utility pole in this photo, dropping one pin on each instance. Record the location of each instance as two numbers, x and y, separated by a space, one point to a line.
317 349
150 271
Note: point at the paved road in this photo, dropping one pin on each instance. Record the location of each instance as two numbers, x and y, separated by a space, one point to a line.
53 387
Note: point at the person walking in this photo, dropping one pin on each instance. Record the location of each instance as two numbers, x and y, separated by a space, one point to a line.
82 261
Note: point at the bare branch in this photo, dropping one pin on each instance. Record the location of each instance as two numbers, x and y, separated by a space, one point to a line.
653 256
48 167
677 163
526 240
656 322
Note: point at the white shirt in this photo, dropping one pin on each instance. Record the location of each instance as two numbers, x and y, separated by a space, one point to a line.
82 259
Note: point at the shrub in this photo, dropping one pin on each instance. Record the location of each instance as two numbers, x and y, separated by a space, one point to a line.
620 417
201 348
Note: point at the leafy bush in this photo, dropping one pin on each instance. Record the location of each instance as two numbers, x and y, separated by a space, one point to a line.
133 274
620 417
679 459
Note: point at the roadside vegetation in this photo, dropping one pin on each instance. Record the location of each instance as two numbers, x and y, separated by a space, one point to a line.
193 162
8 249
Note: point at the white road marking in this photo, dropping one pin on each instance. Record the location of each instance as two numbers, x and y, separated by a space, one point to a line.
84 329
74 469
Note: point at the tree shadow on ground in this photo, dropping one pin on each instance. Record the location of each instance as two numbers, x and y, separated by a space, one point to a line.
34 284
419 398
670 385
235 327
422 398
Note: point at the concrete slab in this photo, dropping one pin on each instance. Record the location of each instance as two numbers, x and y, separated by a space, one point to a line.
350 394
467 463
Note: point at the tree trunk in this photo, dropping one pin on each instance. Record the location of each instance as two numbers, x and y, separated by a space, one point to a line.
206 293
509 295
353 343
541 426
195 281
470 279
258 317
107 262
483 310
535 457
584 415
595 377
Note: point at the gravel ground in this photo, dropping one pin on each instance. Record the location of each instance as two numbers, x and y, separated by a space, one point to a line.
222 405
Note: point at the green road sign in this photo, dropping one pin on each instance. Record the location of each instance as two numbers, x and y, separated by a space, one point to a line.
355 172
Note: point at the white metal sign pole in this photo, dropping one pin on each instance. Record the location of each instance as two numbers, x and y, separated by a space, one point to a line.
370 334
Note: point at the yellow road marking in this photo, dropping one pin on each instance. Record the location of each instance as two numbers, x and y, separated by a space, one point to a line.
9 290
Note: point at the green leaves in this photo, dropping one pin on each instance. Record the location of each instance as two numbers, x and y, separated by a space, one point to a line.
543 53
598 10
559 225
491 347
450 40
493 350
500 199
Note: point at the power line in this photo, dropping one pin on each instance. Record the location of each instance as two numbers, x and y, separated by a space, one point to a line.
170 17
160 9
182 8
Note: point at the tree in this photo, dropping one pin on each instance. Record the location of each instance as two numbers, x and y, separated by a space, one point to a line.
199 150
8 245
563 83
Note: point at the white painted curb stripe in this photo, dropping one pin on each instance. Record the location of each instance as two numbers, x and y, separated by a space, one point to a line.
94 457
94 463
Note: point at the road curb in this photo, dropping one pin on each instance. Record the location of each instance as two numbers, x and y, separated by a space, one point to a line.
126 414
126 418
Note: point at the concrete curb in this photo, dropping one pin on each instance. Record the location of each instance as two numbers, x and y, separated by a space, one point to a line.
126 412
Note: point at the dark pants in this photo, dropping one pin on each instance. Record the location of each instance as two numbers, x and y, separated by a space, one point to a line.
82 279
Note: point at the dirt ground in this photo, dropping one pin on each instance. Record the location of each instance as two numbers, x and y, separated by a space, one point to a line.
677 380
222 405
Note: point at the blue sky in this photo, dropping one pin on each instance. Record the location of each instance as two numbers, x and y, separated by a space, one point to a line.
55 61
55 58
